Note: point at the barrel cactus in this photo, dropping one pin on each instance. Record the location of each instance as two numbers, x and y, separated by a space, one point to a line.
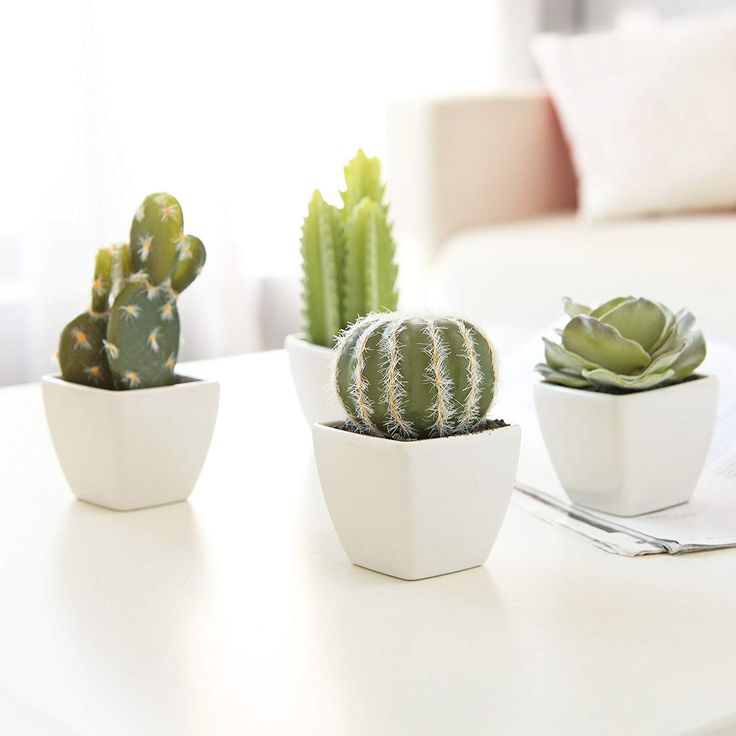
129 337
410 377
347 255
626 344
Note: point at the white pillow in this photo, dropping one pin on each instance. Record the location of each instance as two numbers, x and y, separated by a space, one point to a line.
650 115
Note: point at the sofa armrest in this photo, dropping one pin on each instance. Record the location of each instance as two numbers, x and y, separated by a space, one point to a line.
458 163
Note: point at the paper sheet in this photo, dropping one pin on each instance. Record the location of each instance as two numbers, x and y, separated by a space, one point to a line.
707 522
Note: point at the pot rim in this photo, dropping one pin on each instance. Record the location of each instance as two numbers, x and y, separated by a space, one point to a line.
299 338
605 396
185 383
455 438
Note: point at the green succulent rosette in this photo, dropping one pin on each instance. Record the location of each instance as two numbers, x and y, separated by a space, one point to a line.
626 344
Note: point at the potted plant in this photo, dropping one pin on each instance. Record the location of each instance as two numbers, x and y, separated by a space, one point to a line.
128 431
626 420
348 271
417 481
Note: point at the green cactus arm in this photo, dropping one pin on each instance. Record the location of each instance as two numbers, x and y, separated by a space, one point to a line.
370 271
81 353
362 179
121 267
102 283
156 233
189 263
142 341
322 255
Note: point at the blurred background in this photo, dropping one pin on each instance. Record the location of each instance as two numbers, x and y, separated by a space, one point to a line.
238 109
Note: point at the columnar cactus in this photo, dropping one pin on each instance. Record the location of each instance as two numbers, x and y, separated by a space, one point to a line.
413 377
347 255
134 342
626 344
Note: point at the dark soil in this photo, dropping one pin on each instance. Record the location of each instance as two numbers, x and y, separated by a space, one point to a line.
485 426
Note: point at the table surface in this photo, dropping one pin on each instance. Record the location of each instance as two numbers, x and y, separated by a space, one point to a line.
237 612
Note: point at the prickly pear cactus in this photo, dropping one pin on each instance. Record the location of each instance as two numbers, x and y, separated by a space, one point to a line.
82 354
134 342
415 378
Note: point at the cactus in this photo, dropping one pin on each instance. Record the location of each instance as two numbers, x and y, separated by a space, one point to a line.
347 255
134 343
362 179
82 355
413 377
322 263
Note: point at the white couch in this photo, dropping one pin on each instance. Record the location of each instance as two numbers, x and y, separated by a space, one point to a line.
483 196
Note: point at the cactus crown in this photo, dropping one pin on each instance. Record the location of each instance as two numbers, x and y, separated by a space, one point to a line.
347 255
626 344
129 337
409 377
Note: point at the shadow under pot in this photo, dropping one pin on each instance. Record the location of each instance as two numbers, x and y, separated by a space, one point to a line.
128 450
628 454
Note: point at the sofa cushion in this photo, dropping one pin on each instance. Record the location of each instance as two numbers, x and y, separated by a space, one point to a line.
649 114
512 277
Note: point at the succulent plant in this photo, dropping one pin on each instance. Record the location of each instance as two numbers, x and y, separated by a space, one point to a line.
626 344
129 337
412 377
347 255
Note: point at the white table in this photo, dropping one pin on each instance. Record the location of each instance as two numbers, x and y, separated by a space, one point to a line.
238 613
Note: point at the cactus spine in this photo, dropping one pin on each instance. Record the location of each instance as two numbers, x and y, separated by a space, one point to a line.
134 342
347 255
415 378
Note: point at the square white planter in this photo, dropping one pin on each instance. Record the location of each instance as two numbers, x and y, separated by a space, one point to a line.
311 369
628 454
417 509
131 449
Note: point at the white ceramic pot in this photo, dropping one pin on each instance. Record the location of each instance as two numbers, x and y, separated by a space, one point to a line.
417 509
311 368
628 454
131 449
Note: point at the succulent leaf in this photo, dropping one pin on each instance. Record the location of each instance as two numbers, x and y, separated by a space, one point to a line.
639 320
572 309
626 344
606 307
561 377
604 378
603 345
